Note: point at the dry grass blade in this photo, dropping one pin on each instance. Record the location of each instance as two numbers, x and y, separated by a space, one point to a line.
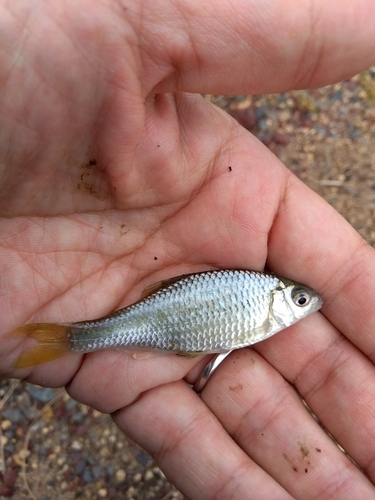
32 426
13 386
331 182
168 495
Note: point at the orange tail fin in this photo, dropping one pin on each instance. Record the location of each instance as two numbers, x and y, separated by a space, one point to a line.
53 343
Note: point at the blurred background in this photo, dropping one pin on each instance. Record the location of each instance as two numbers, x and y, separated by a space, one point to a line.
54 448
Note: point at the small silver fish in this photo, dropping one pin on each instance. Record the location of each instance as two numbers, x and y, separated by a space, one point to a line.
201 313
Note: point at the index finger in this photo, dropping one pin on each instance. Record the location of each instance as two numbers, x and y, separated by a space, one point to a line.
269 46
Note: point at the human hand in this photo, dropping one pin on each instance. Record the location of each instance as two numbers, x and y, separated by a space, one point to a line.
103 170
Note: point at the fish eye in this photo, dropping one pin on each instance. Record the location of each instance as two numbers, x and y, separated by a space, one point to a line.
301 297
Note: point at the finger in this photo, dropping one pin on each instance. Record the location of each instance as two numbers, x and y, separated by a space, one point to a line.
309 241
264 415
335 379
192 448
269 47
124 378
56 373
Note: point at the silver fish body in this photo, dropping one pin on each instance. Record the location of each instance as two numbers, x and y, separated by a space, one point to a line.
208 312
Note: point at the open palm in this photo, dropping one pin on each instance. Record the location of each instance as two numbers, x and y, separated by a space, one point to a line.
113 177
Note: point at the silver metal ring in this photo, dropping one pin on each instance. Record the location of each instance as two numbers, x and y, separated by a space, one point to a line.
208 371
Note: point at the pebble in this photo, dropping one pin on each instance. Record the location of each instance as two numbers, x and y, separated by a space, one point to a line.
103 493
5 491
112 439
87 476
80 466
105 452
137 477
64 436
20 431
48 413
261 112
97 471
143 458
283 139
13 414
71 404
43 394
284 116
130 492
9 477
126 457
263 125
149 475
120 475
78 417
76 445
5 425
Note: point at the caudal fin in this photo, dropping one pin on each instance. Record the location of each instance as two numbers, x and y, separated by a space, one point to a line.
53 343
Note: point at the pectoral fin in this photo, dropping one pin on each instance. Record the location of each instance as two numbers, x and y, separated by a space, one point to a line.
186 354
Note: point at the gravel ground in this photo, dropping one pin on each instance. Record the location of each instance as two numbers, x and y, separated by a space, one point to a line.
54 448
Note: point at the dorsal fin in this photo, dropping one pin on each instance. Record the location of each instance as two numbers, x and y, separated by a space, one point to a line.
154 287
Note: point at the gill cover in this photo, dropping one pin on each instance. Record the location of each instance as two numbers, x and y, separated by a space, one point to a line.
292 302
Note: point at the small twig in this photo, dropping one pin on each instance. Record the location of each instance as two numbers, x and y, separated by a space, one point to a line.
336 183
32 426
332 183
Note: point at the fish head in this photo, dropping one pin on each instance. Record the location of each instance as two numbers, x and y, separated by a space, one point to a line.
293 301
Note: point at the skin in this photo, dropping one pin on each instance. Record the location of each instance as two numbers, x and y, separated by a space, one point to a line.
109 159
